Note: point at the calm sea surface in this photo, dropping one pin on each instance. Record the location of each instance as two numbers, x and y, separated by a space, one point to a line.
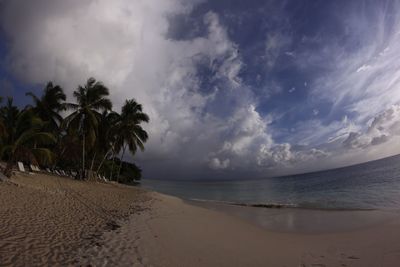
372 185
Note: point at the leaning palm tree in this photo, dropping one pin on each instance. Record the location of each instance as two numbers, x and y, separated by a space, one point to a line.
3 131
91 100
129 133
105 140
26 140
50 104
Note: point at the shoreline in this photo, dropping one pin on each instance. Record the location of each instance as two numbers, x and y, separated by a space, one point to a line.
277 205
177 233
51 220
297 219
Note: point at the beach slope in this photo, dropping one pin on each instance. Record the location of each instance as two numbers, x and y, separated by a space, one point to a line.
48 220
175 233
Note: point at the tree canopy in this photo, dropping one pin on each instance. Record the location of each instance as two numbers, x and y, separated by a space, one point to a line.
85 136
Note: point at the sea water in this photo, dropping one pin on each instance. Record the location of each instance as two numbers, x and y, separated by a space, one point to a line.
371 185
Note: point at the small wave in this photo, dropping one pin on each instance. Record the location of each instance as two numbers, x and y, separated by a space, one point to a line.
308 206
244 204
267 205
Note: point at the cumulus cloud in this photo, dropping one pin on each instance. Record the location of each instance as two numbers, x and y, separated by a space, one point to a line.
358 79
381 129
218 164
213 120
356 140
126 45
248 142
244 133
379 140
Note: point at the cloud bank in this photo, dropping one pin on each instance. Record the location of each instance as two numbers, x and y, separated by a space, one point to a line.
207 115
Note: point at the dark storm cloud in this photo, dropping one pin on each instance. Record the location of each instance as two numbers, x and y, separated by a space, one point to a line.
233 88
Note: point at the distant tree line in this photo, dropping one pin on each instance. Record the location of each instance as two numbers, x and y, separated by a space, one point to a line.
90 139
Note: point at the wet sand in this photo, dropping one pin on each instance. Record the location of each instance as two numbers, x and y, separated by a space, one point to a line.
306 221
175 233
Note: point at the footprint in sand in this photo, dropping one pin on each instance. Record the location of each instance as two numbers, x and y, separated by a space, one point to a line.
333 257
312 260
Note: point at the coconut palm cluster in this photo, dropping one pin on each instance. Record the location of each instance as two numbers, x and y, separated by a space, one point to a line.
85 137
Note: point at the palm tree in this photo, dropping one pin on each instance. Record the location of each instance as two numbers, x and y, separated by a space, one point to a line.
26 141
129 133
106 137
69 150
91 100
3 131
9 115
49 105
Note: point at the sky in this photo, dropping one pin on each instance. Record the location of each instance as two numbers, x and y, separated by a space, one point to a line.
234 89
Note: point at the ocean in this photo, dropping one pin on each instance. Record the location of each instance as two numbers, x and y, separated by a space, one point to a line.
371 185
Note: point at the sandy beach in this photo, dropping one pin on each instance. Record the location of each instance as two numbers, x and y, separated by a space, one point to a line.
200 133
174 233
49 220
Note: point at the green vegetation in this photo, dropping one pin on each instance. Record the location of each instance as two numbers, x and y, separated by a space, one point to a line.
87 141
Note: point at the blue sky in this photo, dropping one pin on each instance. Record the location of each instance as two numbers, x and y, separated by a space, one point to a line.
234 89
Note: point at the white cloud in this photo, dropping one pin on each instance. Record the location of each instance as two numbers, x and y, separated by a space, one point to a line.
248 145
275 43
126 45
363 68
290 53
218 164
363 75
381 129
245 132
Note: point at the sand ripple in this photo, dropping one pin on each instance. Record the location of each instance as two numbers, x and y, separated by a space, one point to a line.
47 220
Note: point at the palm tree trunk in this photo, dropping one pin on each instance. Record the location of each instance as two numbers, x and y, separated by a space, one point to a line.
120 164
62 152
8 169
112 166
83 157
102 161
91 165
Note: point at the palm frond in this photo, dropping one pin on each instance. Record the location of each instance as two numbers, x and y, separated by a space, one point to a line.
34 97
43 156
39 138
69 106
102 104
